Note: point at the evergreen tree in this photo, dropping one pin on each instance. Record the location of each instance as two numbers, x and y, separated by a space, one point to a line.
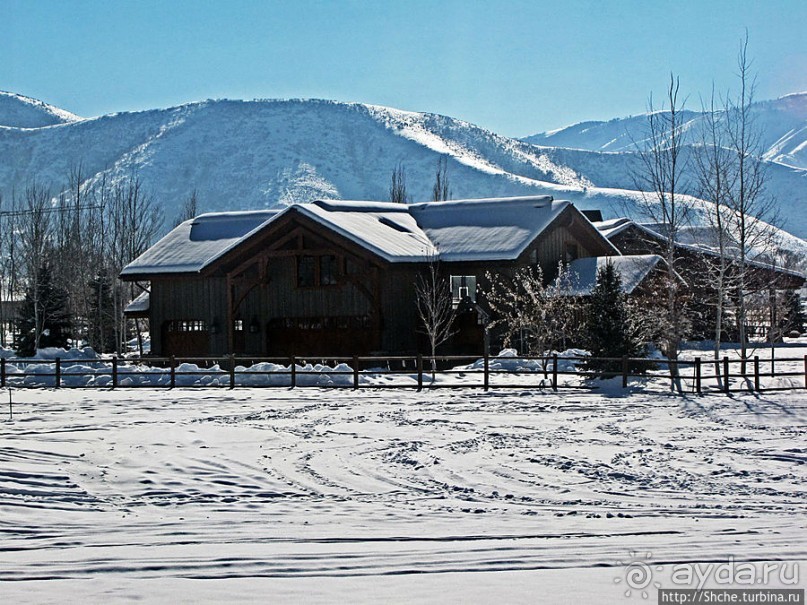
101 319
609 326
44 317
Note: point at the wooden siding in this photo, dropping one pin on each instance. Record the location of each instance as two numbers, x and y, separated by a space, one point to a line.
188 299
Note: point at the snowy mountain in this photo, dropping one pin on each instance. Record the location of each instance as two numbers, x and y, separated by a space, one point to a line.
19 111
258 154
782 123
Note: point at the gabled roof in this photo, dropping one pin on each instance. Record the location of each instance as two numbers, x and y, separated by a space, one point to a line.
384 228
195 243
632 269
462 230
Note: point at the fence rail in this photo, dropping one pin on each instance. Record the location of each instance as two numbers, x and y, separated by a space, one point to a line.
417 371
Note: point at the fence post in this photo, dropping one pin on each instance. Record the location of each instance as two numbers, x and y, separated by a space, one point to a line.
698 375
805 371
756 373
486 372
725 374
173 363
420 370
293 366
3 372
554 371
624 371
232 370
355 372
114 371
58 372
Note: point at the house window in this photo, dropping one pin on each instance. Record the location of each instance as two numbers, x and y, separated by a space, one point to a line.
187 325
238 325
306 271
463 287
317 271
327 270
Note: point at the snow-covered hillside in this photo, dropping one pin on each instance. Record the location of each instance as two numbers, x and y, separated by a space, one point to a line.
262 153
782 123
24 112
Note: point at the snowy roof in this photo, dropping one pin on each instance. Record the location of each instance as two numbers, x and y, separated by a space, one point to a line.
386 229
461 230
138 305
613 226
695 238
486 229
195 243
632 270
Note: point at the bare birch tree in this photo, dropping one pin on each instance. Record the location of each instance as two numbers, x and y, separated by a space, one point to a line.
661 180
435 307
750 210
715 180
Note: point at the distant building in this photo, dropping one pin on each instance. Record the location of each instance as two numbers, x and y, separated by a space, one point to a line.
696 261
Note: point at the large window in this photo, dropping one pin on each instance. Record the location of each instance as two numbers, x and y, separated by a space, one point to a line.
328 270
306 271
317 271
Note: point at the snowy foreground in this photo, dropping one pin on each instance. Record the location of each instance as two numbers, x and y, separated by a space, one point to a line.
209 495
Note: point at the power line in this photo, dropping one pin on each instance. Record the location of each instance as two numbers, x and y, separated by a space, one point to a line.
49 210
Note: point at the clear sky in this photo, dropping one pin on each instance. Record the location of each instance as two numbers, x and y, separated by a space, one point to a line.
515 67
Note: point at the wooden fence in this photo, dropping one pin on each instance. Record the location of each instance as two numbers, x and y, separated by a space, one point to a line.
550 372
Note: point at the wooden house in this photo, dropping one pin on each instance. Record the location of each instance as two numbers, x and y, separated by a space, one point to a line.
335 278
696 262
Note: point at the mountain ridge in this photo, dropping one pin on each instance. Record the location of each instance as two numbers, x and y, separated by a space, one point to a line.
247 154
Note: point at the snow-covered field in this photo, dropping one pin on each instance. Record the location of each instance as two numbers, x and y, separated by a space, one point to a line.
307 495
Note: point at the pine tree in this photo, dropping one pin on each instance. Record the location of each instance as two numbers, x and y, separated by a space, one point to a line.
609 327
44 317
101 319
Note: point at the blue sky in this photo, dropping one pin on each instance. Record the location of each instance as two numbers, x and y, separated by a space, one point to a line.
513 67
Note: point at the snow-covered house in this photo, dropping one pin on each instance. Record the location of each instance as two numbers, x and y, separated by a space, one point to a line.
338 277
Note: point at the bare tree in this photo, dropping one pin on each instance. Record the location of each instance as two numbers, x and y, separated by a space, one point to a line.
441 190
533 316
661 181
133 221
715 180
750 210
34 230
189 209
435 307
397 188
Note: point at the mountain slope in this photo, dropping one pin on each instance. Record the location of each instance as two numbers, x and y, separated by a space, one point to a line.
18 111
258 154
782 123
